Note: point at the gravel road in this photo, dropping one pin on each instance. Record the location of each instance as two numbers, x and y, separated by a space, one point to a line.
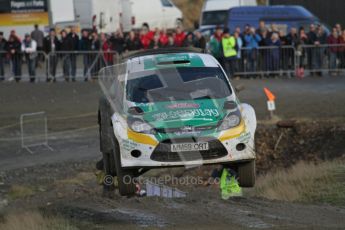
71 109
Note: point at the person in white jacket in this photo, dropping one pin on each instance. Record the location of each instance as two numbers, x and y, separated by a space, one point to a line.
29 48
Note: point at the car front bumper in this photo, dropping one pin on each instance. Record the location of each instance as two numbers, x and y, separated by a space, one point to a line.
223 149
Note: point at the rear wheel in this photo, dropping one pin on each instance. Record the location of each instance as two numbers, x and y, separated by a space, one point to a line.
246 174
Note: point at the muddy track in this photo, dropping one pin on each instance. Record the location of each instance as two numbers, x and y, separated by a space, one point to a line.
82 203
69 189
317 104
72 114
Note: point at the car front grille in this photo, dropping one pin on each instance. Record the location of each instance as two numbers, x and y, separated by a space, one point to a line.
185 129
163 153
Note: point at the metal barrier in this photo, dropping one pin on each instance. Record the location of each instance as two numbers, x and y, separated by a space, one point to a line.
78 64
265 61
22 66
34 130
321 59
285 60
262 61
39 66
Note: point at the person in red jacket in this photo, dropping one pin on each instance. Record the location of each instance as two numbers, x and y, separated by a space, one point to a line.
107 50
146 36
341 50
333 41
13 33
179 37
163 38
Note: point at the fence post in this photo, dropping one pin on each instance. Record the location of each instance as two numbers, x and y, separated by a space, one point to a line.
47 66
296 61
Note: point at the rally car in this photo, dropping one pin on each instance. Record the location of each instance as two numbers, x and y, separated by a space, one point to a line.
170 108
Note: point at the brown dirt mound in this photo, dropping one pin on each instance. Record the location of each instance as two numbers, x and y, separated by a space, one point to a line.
305 141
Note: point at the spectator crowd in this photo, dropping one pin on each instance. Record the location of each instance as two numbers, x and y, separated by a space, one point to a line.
267 49
67 45
251 50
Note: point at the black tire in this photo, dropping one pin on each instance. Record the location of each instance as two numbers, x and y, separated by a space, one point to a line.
246 174
109 173
105 127
124 176
111 153
109 164
105 134
100 165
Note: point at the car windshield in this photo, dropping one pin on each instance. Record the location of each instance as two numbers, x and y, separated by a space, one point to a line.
176 84
214 17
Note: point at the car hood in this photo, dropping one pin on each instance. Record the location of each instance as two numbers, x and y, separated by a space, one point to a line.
193 113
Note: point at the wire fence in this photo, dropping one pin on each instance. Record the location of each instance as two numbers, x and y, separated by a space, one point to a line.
261 61
321 59
73 65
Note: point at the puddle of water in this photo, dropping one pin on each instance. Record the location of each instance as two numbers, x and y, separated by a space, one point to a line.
163 191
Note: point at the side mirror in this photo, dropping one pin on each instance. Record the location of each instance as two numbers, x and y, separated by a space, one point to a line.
239 88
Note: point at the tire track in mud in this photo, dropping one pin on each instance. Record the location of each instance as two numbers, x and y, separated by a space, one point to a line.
82 203
109 216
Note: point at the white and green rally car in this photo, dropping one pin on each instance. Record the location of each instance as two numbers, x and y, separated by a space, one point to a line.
169 108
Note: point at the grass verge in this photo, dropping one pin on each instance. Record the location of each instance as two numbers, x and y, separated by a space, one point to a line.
19 191
79 179
304 182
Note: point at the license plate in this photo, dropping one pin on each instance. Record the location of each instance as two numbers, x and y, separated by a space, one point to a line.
186 147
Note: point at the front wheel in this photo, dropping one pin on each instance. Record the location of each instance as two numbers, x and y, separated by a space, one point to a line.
125 177
108 165
246 174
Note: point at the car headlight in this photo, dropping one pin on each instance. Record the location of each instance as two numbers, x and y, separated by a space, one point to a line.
229 122
140 126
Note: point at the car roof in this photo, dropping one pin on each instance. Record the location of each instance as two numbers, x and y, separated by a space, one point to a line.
141 53
169 60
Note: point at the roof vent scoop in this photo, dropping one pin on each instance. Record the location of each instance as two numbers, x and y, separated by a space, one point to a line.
176 62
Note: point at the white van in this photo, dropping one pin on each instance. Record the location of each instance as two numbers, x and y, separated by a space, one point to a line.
126 16
157 13
103 15
215 12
